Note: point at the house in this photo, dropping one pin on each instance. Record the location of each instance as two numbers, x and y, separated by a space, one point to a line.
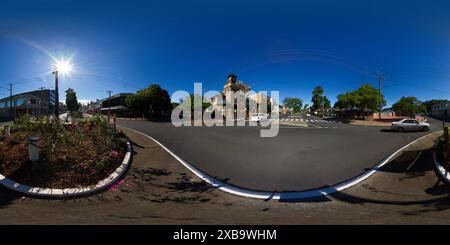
385 113
441 110
233 85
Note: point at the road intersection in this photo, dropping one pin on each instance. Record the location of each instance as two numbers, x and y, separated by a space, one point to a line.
298 159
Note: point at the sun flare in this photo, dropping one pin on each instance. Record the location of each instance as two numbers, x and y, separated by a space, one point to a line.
63 66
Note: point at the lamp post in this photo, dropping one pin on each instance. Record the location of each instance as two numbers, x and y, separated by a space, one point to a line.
56 95
64 67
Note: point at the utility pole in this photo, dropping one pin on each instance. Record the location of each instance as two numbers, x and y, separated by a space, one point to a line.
109 105
10 101
380 80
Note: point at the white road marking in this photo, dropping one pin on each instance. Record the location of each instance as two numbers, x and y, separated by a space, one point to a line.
415 160
281 195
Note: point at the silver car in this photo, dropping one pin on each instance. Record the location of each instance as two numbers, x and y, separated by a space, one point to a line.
410 125
257 117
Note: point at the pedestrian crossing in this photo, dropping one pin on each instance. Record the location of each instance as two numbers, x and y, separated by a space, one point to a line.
313 122
306 120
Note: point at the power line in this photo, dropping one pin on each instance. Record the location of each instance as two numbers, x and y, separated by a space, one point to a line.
417 86
380 80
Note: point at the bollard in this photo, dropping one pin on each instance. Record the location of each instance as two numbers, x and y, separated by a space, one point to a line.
33 149
7 130
114 121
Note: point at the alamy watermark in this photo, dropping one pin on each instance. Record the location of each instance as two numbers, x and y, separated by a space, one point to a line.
230 108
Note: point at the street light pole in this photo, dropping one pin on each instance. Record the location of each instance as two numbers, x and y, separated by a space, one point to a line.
56 95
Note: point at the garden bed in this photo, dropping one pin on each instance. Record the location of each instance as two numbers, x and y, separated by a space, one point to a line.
72 155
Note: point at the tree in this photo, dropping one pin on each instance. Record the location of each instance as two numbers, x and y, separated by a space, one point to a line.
295 104
317 98
363 99
175 104
305 107
409 106
198 97
134 102
71 101
151 102
346 101
368 97
326 103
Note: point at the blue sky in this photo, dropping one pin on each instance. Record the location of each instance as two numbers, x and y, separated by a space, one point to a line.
290 46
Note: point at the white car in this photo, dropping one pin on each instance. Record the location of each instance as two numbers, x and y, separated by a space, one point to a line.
308 115
410 125
257 117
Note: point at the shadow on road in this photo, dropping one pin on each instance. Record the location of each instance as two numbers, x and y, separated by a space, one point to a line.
308 200
7 197
410 163
389 130
411 181
341 196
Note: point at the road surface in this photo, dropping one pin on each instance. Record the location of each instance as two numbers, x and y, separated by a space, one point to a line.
298 159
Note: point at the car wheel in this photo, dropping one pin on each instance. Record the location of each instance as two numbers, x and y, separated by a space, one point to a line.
401 129
425 128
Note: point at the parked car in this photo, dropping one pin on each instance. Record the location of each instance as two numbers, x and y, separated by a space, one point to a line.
410 125
308 115
257 117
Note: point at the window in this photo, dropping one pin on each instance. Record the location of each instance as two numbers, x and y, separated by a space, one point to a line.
20 102
411 121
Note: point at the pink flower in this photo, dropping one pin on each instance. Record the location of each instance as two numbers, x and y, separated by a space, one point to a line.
116 185
114 154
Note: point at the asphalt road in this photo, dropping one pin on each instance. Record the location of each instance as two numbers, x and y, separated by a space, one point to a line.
299 158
